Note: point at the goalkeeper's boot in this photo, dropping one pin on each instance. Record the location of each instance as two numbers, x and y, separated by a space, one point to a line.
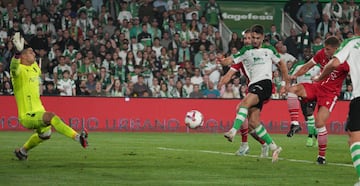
230 135
275 155
293 130
264 150
243 150
83 138
21 156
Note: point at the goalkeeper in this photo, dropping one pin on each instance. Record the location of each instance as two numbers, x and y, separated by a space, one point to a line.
25 75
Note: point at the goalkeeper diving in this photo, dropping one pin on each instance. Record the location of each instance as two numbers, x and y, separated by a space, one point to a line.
25 76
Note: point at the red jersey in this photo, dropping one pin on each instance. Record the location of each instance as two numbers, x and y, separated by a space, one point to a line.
239 67
333 82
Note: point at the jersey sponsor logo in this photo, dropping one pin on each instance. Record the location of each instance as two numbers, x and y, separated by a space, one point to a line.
357 45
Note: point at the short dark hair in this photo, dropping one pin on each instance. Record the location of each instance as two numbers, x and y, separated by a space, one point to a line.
332 41
257 29
66 71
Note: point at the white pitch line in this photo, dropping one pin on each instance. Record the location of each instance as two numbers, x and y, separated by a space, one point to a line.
253 156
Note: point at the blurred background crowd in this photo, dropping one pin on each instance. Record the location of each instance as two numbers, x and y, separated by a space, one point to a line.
153 48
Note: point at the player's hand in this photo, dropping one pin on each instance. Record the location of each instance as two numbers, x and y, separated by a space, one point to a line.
18 42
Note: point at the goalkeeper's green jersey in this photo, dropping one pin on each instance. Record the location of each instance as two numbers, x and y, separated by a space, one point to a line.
26 85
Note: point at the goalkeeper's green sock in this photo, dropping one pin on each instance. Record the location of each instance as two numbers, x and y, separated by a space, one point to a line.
240 118
64 129
32 142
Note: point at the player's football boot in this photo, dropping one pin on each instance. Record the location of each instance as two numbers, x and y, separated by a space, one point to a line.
230 135
243 150
275 155
293 130
321 160
83 138
264 151
357 184
309 142
20 155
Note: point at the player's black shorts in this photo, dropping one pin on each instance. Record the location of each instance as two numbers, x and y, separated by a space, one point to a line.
307 108
353 120
263 90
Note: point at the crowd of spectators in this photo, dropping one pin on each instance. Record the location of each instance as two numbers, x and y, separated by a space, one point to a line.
146 48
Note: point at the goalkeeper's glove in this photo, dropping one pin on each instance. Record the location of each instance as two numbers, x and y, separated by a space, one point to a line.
18 42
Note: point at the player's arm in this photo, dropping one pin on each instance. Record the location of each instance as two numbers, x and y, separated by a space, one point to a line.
304 69
14 65
332 65
284 72
18 42
226 78
225 61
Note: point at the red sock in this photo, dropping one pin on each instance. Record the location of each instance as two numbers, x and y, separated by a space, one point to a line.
293 106
257 138
322 140
244 133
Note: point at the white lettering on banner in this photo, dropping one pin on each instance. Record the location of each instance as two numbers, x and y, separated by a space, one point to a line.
249 16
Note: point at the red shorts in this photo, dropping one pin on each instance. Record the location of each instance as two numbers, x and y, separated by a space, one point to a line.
323 97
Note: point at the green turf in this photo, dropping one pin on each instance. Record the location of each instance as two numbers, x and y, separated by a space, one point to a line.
169 159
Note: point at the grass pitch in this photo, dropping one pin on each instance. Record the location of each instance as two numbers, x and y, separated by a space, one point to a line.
171 159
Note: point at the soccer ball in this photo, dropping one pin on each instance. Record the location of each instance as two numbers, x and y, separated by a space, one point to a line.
194 119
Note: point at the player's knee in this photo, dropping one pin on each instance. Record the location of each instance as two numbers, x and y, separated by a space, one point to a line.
309 112
47 117
46 135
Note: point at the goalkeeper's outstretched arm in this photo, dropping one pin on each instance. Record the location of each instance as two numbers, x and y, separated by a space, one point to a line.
18 42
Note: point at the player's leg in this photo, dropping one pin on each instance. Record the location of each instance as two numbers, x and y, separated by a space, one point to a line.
264 147
308 110
353 129
294 107
254 121
320 124
244 146
43 132
241 115
50 118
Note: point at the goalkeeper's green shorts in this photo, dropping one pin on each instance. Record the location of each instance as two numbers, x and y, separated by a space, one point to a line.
34 120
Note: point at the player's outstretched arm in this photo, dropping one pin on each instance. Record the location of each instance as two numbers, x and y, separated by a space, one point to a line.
284 72
226 78
304 69
224 61
18 42
332 65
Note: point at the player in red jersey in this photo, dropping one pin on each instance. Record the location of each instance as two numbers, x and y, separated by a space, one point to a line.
325 92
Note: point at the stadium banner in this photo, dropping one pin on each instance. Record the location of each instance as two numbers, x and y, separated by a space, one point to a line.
158 114
240 16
